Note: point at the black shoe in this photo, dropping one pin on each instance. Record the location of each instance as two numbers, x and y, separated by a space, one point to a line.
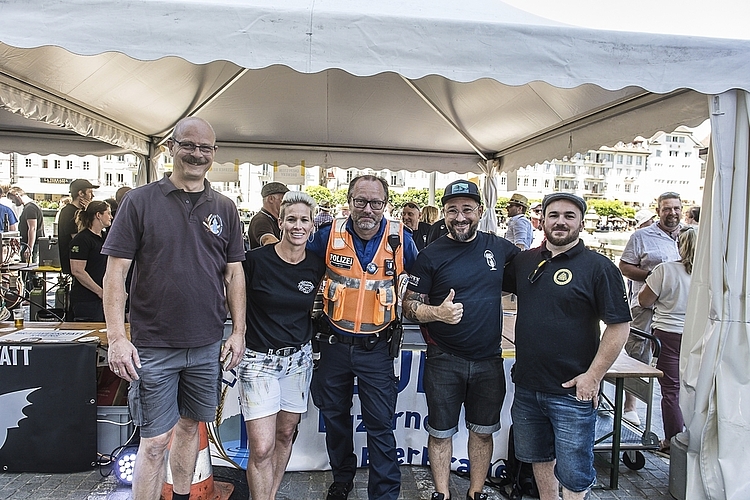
438 496
339 491
477 496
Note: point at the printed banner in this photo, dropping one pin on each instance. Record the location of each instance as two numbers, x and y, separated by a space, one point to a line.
411 436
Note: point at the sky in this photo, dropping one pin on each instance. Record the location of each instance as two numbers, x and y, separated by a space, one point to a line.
714 18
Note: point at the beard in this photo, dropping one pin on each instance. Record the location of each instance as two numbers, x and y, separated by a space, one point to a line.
465 235
561 241
671 221
365 223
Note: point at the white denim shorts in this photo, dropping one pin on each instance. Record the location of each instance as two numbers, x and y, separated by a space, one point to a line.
269 383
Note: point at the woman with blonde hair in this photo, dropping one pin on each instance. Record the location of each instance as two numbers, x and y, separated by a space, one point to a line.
666 289
430 214
275 373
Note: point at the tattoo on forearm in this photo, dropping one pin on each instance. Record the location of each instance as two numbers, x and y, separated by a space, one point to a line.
411 303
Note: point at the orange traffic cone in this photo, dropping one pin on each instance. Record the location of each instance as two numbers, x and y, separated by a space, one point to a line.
203 486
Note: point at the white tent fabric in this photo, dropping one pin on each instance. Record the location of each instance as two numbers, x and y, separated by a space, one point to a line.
716 340
432 85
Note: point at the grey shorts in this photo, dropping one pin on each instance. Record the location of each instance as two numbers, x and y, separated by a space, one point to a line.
175 383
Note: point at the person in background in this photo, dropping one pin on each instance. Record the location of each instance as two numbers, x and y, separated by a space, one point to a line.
535 211
64 200
359 307
264 226
519 232
121 192
81 193
87 263
7 210
112 205
564 292
185 241
693 216
4 200
324 214
644 218
343 211
275 373
464 364
410 215
30 224
647 247
666 290
430 214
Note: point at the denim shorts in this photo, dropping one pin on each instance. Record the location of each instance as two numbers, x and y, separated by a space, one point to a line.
451 381
173 383
270 383
554 426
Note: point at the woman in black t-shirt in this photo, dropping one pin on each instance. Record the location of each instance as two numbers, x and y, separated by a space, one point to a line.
87 263
276 370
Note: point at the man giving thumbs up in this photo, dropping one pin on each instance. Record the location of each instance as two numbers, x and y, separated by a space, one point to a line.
463 273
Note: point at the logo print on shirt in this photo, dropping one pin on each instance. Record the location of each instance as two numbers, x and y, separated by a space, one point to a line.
213 224
413 280
490 258
562 277
305 286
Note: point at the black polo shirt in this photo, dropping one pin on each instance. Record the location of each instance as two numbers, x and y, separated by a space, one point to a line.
181 250
557 324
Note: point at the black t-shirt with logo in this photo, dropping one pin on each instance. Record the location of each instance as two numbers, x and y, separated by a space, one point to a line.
474 270
88 246
280 298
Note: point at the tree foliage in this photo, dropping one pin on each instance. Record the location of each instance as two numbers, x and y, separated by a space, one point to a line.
611 208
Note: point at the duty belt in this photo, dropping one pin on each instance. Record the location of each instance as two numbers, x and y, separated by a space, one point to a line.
284 351
363 340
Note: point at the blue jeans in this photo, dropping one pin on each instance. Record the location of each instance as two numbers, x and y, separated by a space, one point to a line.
332 390
554 426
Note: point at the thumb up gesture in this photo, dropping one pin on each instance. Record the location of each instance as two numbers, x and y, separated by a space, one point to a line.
450 312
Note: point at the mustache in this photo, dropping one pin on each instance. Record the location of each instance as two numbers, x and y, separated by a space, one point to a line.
196 161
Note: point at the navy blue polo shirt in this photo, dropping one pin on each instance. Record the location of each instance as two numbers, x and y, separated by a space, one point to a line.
181 251
557 323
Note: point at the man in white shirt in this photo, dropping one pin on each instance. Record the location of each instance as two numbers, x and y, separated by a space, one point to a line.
519 232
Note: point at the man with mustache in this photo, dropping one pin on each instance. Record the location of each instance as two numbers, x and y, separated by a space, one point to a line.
455 289
561 355
645 249
185 241
364 253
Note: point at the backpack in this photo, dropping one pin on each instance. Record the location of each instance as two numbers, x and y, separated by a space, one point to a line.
519 476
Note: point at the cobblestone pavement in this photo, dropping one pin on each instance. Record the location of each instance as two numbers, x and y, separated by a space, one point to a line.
650 482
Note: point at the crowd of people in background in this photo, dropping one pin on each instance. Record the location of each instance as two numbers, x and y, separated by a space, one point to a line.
181 242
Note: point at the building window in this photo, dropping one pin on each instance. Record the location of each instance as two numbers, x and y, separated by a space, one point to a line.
69 164
682 140
525 181
121 179
121 158
533 182
635 188
503 180
627 188
658 152
57 163
639 160
688 154
349 176
28 162
394 180
546 183
674 153
45 164
87 165
629 160
619 159
108 179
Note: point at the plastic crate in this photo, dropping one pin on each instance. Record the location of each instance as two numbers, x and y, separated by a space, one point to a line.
113 426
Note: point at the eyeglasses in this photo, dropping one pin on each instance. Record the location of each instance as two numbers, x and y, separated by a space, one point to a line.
374 204
538 271
189 147
452 213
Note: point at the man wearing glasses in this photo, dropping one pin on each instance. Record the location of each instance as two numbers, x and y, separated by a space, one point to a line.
186 241
365 253
561 355
455 289
645 249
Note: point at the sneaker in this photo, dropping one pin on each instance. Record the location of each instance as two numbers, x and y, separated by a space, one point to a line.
339 491
438 496
632 417
479 495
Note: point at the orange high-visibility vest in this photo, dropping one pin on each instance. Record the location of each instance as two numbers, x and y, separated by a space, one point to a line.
357 300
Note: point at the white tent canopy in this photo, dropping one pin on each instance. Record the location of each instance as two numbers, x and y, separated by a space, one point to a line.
431 85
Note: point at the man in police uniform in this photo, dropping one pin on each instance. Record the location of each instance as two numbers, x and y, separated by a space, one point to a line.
365 253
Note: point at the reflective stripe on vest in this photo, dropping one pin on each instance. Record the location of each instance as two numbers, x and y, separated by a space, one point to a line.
355 300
